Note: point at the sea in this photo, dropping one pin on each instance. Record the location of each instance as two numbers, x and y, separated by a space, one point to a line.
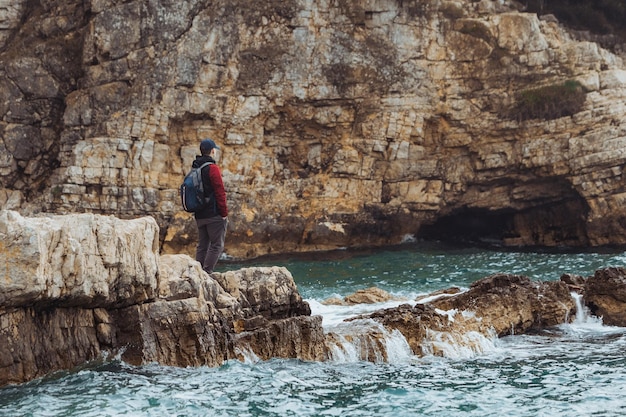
576 369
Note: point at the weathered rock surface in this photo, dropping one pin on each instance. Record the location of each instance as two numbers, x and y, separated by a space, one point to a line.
371 295
343 123
85 260
605 295
75 287
493 306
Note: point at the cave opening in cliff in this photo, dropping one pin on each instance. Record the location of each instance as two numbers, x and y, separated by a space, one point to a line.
559 224
471 226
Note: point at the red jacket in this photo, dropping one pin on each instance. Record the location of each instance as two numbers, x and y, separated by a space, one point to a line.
212 177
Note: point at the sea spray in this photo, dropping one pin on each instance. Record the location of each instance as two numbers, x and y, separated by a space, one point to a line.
583 315
367 340
587 325
458 345
246 355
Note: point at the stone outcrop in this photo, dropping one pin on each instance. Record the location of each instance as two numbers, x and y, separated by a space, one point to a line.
605 295
342 123
75 288
512 304
497 305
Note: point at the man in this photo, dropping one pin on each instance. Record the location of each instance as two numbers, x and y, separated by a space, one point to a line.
213 218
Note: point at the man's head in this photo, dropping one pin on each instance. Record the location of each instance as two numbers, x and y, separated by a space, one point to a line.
206 146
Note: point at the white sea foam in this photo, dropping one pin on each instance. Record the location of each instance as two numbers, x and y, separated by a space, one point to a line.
247 355
587 325
458 345
366 339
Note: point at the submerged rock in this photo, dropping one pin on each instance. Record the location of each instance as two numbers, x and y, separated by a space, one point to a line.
370 295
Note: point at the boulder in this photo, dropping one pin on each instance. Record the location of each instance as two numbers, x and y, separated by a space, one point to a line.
513 303
370 296
605 295
82 260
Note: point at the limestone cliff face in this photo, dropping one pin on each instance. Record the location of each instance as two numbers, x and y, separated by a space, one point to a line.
342 123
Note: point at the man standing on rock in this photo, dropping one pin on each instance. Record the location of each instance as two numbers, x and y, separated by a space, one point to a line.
213 218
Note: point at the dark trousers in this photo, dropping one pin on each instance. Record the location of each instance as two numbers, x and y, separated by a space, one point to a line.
211 234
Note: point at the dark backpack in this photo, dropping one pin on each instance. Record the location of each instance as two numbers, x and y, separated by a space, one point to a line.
192 190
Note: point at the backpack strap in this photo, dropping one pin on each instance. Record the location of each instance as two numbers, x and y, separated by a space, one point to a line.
206 198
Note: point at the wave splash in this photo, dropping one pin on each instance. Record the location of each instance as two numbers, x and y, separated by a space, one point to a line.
368 340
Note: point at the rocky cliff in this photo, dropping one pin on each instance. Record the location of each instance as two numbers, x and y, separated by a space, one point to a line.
87 287
342 123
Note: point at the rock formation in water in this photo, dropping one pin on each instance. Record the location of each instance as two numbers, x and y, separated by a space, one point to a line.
605 295
342 123
78 288
497 305
371 295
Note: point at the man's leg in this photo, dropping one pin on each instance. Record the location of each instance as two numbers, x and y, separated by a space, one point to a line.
203 240
216 229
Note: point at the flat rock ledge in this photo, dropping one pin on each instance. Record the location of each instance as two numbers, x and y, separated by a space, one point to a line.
80 287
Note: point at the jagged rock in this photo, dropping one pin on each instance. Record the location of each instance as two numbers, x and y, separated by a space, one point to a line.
605 295
341 126
73 287
493 306
514 304
415 323
574 282
268 292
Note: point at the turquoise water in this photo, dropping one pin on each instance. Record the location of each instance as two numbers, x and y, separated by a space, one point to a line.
427 267
577 369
